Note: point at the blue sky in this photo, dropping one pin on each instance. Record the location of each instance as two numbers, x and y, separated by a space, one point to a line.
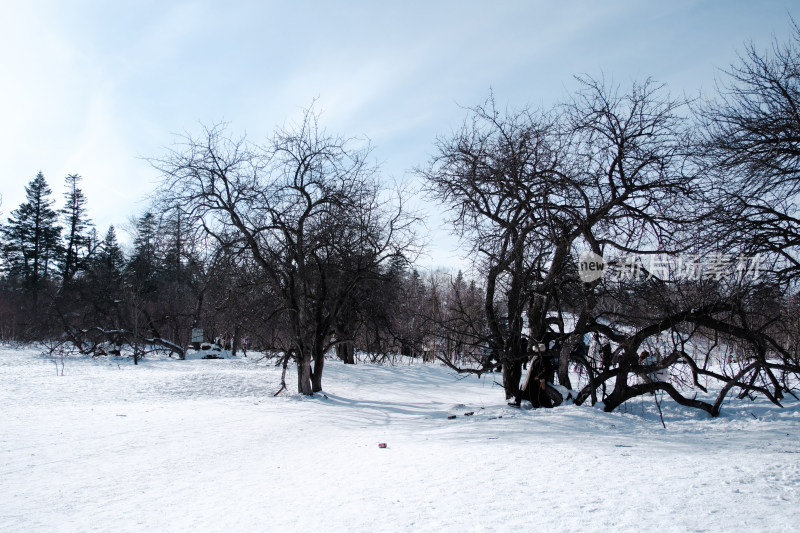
94 87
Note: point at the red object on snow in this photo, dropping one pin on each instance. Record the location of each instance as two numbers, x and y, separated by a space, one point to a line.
382 445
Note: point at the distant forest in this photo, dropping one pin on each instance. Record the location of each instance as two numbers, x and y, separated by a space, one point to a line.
615 236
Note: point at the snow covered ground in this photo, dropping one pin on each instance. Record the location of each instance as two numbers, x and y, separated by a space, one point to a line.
203 446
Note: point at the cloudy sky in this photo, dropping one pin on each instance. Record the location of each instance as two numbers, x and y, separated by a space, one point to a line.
95 87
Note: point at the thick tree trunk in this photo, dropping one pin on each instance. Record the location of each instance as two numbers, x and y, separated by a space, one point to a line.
512 373
316 375
346 353
304 375
618 395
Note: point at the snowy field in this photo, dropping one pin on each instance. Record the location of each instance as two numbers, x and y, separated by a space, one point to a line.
204 446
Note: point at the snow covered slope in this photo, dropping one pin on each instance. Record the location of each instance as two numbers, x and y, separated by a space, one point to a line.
203 446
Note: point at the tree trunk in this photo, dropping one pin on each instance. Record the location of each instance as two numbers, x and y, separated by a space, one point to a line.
235 340
346 353
304 374
316 375
512 373
618 395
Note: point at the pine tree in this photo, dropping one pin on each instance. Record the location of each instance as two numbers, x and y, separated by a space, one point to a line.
78 245
32 240
142 270
109 262
96 297
175 246
105 277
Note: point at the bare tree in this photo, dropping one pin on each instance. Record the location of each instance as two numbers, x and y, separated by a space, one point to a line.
493 174
633 155
299 205
528 190
752 149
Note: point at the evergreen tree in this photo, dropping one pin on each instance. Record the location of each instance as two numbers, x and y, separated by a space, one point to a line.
104 290
109 263
176 249
142 270
31 238
78 245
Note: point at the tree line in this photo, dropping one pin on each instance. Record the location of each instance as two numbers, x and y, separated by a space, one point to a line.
687 208
335 282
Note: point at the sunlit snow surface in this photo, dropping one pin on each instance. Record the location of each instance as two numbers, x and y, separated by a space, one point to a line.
204 446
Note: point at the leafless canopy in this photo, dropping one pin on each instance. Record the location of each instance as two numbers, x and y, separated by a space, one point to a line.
307 208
